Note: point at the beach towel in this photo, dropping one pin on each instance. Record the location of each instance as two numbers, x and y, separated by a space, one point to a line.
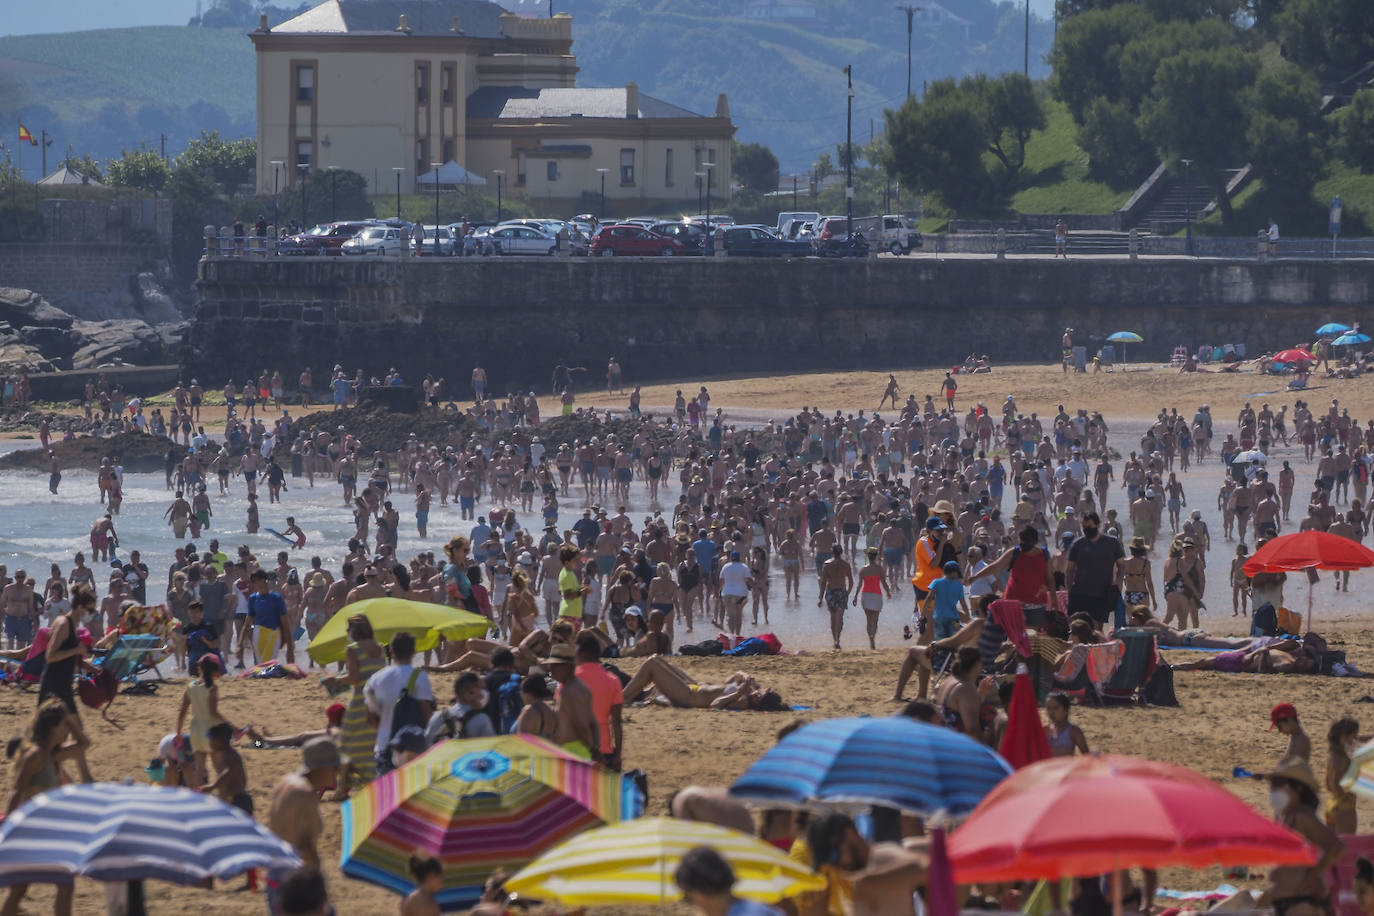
1103 659
1008 615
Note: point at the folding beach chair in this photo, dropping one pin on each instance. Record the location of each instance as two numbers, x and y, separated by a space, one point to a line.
1137 666
127 659
1087 669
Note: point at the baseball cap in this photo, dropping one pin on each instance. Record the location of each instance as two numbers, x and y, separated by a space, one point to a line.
934 524
951 566
1280 712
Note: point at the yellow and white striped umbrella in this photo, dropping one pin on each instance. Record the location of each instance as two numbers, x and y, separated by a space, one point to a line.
635 861
1359 778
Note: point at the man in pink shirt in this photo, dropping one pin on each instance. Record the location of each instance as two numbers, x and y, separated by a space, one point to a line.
608 699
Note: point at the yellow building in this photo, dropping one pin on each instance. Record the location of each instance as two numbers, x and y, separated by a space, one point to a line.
387 88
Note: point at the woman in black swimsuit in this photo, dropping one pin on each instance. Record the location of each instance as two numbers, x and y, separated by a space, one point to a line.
64 653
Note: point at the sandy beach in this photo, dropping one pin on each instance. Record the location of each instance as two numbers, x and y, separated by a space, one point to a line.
1221 723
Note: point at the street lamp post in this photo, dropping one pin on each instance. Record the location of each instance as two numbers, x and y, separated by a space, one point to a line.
849 154
710 233
333 193
398 170
910 10
499 173
1025 66
601 214
1188 205
276 197
794 192
305 172
435 166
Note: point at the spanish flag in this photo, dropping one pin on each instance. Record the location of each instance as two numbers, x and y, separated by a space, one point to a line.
26 134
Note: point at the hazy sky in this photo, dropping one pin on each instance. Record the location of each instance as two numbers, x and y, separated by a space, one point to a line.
20 18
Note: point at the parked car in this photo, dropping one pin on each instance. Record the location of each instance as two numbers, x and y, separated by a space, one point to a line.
446 242
324 239
889 233
628 239
762 242
833 240
690 235
786 219
520 239
379 240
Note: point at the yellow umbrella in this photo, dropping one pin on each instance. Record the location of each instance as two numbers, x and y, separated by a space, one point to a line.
635 861
389 616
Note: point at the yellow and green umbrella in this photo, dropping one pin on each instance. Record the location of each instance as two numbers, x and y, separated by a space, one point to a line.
634 862
389 616
478 805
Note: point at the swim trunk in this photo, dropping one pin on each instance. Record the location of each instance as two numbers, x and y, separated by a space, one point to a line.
836 598
604 565
851 528
467 502
623 475
893 556
422 516
1229 662
587 467
945 627
249 476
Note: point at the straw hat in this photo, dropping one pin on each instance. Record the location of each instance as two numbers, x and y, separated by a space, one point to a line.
1138 543
559 654
943 506
1295 769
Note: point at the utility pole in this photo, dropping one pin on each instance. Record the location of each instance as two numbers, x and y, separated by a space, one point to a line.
43 145
910 10
849 153
162 139
1026 64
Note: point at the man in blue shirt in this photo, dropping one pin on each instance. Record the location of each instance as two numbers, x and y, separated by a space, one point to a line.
947 594
267 612
479 535
586 529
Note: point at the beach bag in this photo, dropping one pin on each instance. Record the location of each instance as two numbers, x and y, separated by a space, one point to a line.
406 712
457 726
1159 690
99 689
706 647
1264 621
508 704
1289 621
751 646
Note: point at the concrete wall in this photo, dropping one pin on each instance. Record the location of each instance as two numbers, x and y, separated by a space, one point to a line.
673 318
88 279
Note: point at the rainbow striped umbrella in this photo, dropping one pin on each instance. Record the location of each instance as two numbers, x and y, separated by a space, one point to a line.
478 805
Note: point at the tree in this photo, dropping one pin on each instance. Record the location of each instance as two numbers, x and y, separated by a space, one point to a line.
1198 111
1110 136
142 168
86 165
1330 37
1355 131
1086 56
321 191
1287 136
938 144
824 167
755 167
1010 110
228 163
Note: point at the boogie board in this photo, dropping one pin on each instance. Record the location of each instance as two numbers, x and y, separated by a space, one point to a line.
277 533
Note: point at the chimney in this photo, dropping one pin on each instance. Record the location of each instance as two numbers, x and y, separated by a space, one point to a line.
632 100
262 23
457 27
722 107
401 26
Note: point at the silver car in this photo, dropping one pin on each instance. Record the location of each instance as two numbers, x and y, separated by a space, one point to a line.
379 240
522 240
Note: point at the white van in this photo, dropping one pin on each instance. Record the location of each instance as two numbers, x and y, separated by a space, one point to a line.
785 219
889 233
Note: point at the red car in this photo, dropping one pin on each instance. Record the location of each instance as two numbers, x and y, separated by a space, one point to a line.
326 239
629 239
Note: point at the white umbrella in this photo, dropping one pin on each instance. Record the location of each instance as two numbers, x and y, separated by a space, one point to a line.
1253 454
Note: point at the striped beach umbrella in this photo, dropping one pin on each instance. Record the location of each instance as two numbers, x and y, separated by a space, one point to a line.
115 832
1359 778
893 761
635 862
477 805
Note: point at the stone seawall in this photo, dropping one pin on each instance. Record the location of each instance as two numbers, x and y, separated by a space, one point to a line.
667 318
89 279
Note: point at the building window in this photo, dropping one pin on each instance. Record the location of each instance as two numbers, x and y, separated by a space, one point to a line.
305 154
627 166
448 150
305 84
553 169
421 156
668 167
421 83
446 75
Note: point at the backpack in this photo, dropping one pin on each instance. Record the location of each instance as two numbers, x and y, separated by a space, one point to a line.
457 726
706 647
508 704
1159 689
1264 620
406 712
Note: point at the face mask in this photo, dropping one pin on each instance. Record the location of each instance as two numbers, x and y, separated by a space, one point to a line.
1089 532
1278 799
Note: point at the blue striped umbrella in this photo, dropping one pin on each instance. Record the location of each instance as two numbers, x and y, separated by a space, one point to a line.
114 832
1332 328
895 761
1349 338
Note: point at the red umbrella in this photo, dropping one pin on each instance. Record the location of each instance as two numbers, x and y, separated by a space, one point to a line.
1058 770
941 893
1025 741
1309 550
1104 823
1294 356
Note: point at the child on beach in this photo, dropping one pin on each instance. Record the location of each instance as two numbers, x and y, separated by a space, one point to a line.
1240 583
252 513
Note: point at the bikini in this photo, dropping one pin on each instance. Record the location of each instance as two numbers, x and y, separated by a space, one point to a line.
1063 741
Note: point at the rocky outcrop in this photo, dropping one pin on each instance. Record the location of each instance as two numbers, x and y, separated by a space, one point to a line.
37 337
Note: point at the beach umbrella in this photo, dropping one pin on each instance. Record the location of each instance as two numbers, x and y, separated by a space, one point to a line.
1309 550
1056 770
1359 776
893 761
115 832
1250 455
1294 355
634 863
1105 822
477 805
1332 329
1350 338
389 616
1024 741
1123 338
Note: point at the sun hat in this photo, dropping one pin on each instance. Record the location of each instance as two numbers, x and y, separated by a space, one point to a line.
559 654
1295 769
943 506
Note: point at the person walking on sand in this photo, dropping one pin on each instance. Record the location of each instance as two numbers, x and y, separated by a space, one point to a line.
890 392
837 582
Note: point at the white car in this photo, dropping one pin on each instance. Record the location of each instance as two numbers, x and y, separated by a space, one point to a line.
379 240
446 242
521 240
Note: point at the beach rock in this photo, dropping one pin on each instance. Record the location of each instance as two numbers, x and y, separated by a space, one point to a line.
137 452
17 354
22 308
118 341
152 302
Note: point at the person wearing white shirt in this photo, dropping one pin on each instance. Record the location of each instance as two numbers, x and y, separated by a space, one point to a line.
734 591
384 688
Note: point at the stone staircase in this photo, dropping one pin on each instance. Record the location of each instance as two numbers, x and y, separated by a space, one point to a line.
1171 201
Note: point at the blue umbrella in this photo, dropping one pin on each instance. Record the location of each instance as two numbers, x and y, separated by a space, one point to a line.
1332 328
1350 337
114 832
1123 338
895 762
